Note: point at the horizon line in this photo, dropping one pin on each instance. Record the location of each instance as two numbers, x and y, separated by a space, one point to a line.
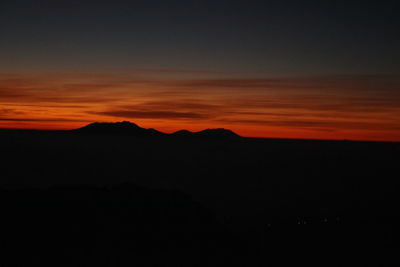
250 137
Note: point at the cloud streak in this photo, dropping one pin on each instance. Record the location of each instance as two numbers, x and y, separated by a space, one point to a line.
137 114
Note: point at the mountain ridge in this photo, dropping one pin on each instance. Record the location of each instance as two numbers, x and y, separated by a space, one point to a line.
130 128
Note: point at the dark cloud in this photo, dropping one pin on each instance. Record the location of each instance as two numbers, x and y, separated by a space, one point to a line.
350 84
153 114
177 104
231 83
378 85
61 105
177 71
89 86
10 111
174 109
318 103
39 120
75 99
12 93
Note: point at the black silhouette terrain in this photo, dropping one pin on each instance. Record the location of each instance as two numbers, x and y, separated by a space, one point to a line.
124 127
122 225
184 200
131 129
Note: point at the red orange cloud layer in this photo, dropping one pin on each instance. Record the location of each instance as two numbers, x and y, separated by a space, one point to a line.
328 107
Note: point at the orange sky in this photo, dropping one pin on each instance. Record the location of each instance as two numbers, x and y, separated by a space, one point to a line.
323 107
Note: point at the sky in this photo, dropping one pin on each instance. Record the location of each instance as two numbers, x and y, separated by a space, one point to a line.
281 69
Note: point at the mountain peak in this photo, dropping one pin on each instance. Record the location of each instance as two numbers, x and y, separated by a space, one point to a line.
123 127
182 133
218 132
120 124
130 128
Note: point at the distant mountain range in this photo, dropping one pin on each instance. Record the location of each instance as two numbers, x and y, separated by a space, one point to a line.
129 128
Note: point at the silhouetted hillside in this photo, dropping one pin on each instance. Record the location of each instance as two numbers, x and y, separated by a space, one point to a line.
284 201
217 133
208 133
122 225
182 133
132 129
124 127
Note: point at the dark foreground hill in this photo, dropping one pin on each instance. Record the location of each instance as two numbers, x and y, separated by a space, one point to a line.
123 225
285 201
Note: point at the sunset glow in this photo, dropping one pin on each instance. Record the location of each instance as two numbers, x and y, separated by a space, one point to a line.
267 69
315 107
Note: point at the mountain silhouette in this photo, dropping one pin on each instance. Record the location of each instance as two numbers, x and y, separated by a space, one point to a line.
124 127
182 133
130 128
219 132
